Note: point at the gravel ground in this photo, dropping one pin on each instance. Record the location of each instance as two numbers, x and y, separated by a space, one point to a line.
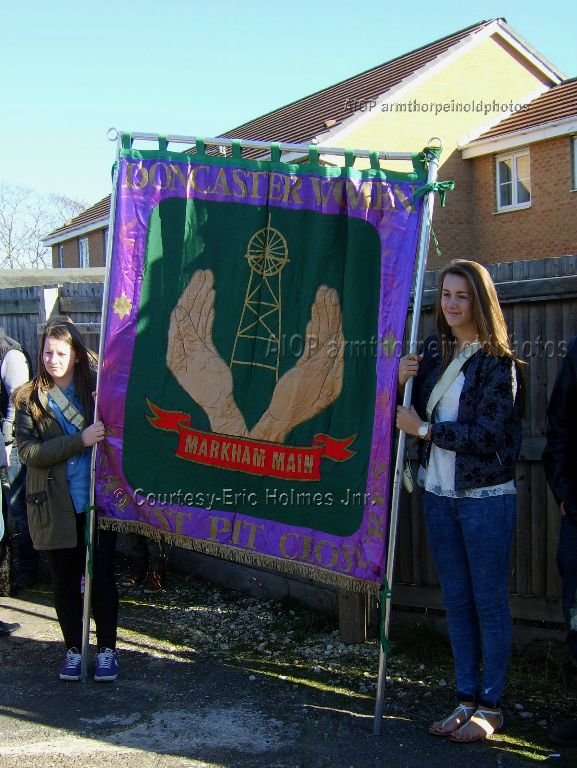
213 677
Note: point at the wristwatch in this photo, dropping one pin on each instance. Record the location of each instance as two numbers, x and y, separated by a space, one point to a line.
423 430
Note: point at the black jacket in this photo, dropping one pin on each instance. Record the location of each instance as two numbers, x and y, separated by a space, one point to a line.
487 434
560 454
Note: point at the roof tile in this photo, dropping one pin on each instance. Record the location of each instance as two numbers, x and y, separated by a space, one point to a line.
302 120
559 102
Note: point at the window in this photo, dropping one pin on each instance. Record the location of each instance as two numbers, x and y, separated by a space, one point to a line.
513 181
83 257
61 256
574 159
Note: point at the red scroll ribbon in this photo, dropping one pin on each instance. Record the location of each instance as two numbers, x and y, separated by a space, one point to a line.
245 455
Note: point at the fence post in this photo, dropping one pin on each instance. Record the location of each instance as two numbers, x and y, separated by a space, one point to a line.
352 616
48 299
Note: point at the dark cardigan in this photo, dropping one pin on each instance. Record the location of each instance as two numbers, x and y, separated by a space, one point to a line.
487 434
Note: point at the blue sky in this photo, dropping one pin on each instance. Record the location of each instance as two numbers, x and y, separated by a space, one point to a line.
70 71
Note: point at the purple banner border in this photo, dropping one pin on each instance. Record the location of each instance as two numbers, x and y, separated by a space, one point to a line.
143 184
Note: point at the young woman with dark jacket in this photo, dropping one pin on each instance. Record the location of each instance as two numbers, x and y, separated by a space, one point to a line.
468 455
55 434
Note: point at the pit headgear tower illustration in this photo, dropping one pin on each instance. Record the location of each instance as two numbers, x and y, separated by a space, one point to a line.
258 337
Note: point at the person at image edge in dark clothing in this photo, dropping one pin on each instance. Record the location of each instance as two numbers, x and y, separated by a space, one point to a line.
15 371
560 462
5 628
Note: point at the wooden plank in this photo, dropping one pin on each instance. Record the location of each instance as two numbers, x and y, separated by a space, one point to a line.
20 307
88 329
545 288
69 304
542 289
523 270
352 617
539 565
404 565
553 517
537 372
419 548
527 545
525 608
84 328
522 541
501 272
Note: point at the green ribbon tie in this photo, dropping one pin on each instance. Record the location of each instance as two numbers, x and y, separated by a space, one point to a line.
90 550
442 187
384 595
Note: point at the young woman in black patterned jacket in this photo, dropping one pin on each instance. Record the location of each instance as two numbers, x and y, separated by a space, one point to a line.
468 456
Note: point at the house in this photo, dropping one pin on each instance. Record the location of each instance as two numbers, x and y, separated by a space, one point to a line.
508 121
524 173
457 88
82 241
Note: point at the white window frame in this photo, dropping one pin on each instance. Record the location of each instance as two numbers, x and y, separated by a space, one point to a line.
61 256
513 157
83 253
574 161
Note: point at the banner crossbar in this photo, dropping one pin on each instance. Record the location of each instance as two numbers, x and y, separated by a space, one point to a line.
222 141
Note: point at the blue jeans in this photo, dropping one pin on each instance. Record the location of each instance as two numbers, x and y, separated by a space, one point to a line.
470 540
567 564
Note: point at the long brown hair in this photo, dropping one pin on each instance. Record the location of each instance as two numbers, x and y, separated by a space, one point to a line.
487 313
29 394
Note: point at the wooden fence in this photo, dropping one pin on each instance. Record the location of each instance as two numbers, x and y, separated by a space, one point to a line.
539 299
25 310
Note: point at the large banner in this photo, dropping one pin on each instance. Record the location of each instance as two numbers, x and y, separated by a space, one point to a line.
248 376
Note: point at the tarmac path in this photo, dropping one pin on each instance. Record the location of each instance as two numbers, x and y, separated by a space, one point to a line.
170 709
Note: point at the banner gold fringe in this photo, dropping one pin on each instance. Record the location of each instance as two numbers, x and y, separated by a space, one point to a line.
242 557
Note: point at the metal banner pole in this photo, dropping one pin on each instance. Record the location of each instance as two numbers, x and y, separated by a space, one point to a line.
424 238
264 146
91 514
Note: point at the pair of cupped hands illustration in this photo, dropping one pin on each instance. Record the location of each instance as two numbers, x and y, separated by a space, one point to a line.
312 385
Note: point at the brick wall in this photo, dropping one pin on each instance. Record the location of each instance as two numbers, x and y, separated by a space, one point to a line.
70 253
453 223
548 228
95 251
96 248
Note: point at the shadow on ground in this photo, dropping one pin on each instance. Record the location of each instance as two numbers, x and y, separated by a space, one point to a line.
174 707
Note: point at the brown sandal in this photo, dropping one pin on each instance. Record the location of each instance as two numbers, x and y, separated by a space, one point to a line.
483 723
457 719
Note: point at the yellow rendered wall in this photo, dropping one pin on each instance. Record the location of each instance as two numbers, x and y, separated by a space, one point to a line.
480 79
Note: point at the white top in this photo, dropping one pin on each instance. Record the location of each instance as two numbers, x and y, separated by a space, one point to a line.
14 372
439 477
